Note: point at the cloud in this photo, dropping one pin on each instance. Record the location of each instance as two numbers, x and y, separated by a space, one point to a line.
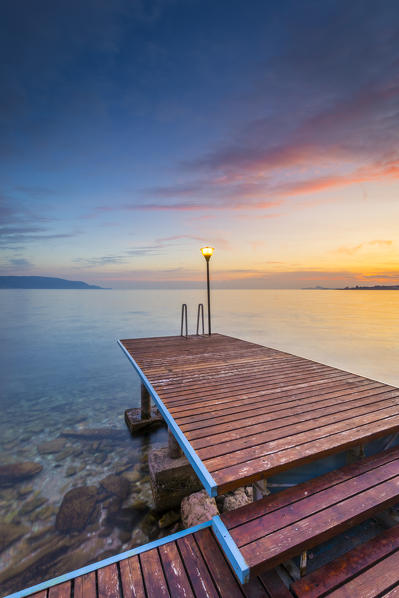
354 249
20 225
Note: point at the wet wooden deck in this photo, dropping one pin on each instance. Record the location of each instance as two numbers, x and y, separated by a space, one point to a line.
191 567
245 411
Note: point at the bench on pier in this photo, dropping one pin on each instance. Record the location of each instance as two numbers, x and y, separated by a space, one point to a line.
281 526
367 571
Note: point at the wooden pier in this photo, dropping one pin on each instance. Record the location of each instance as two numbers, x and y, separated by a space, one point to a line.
242 412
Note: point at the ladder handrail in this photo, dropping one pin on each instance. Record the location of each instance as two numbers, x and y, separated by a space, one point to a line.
200 313
183 320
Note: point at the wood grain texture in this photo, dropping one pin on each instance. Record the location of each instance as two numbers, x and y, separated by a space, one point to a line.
281 526
350 565
85 586
251 411
63 590
108 582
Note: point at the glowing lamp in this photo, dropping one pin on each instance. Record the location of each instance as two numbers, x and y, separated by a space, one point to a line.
207 252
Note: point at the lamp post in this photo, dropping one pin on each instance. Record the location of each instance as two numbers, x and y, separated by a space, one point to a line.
207 253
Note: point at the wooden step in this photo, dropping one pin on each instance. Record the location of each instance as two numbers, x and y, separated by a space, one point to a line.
369 570
281 526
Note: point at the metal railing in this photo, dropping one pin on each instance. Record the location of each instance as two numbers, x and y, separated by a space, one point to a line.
200 314
183 321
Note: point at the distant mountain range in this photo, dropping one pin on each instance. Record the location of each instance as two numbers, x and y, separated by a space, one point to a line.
42 282
377 287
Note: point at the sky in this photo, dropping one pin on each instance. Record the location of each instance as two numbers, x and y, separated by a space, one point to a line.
134 132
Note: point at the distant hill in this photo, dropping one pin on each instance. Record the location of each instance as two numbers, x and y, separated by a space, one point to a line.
42 282
377 287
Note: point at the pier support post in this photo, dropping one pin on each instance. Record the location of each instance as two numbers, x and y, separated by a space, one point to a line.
145 403
174 450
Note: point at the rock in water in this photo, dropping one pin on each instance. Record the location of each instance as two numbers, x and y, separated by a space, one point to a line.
51 446
9 533
76 508
13 473
198 508
116 485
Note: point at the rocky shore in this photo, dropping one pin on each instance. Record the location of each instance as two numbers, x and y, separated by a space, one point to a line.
82 496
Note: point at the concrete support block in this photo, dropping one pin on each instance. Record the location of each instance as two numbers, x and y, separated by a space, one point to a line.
136 424
171 479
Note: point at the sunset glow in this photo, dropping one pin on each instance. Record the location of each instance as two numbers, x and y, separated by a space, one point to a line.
133 136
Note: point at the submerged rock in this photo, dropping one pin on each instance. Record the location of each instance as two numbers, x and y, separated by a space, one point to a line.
9 533
76 508
198 508
51 446
138 538
168 519
31 505
116 485
95 433
13 473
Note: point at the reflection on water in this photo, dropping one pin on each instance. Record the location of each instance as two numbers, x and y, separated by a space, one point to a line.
66 384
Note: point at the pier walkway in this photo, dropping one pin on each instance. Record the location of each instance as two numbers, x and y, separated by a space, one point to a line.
241 411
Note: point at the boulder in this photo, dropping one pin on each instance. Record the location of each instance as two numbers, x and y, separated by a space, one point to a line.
198 508
238 498
76 508
13 473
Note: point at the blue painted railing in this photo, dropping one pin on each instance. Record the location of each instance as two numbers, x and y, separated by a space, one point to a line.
206 479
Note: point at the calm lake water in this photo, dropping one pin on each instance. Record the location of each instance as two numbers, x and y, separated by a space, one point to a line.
64 379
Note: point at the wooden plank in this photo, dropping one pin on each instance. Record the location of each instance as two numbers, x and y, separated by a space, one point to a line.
108 582
393 593
373 581
388 415
291 383
266 405
276 547
255 510
154 578
281 418
337 494
63 590
258 435
295 456
132 581
353 563
261 395
42 594
85 586
274 585
175 573
197 570
222 575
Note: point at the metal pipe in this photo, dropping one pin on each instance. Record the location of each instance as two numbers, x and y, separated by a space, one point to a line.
209 297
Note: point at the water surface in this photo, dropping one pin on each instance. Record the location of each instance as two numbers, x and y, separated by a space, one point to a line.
62 372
